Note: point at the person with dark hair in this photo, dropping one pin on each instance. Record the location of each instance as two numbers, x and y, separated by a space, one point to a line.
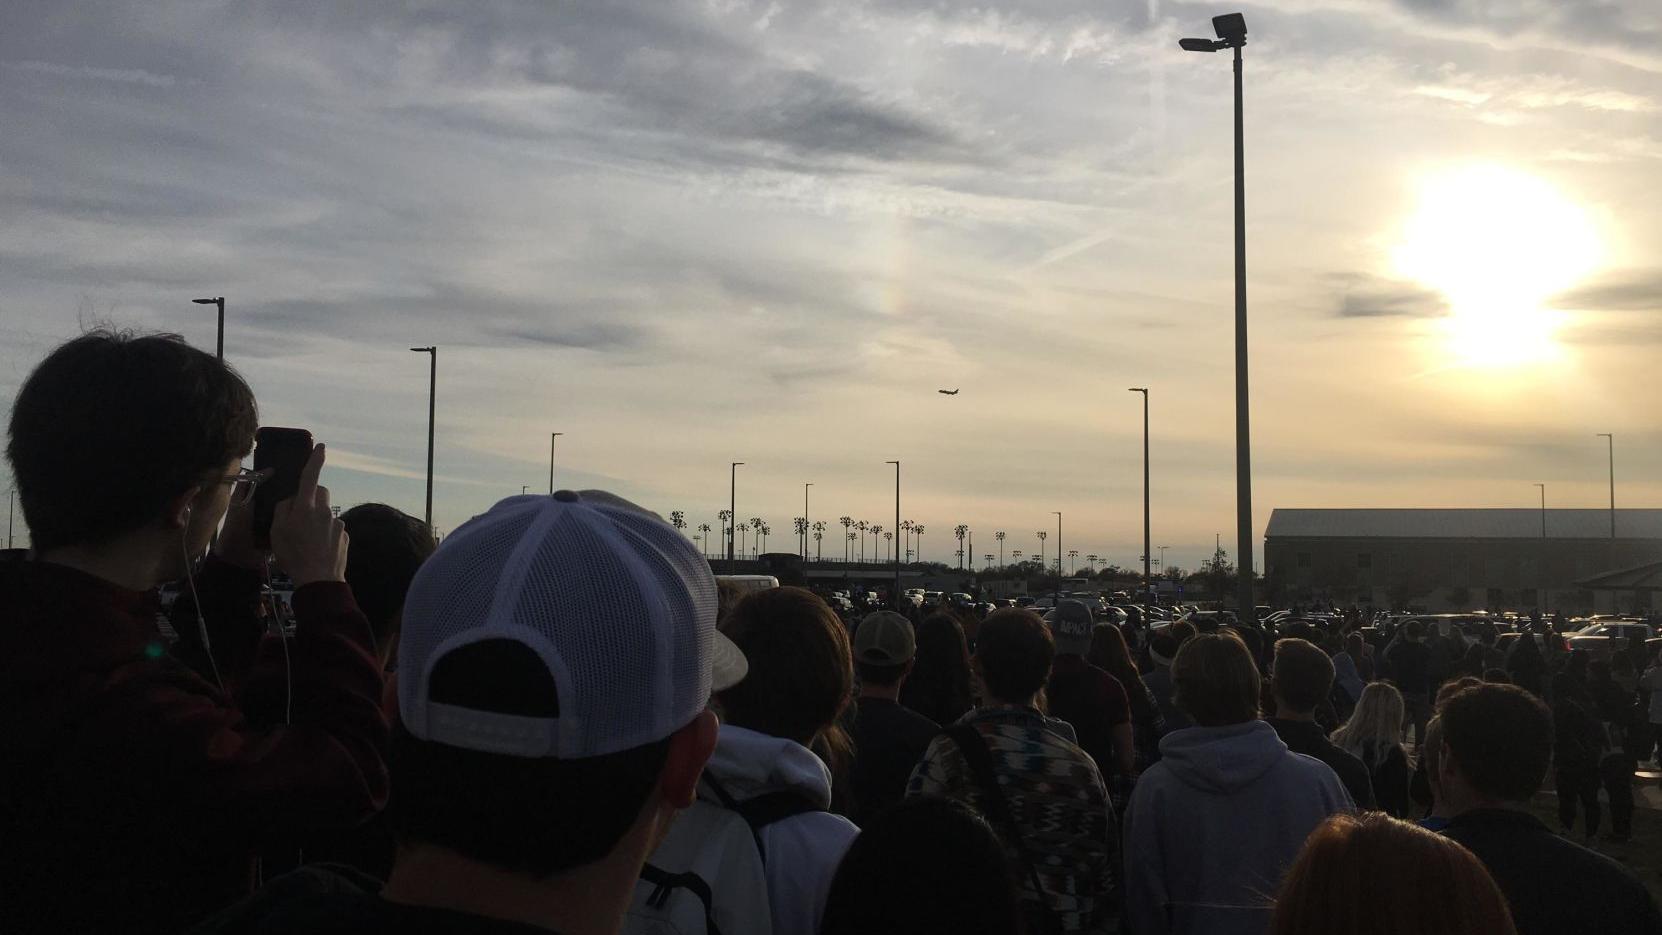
1614 705
925 865
1025 773
1162 649
534 765
764 769
939 685
1497 745
1213 825
889 739
388 547
1408 664
1110 653
1300 678
1579 744
139 777
1526 665
1092 701
1371 874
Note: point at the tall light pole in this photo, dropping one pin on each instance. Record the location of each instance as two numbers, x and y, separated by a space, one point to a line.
1541 589
1612 439
432 398
806 522
524 489
552 436
1058 544
219 301
1148 560
733 505
1232 33
894 555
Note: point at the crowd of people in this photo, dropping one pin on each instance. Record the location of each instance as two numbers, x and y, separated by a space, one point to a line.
559 720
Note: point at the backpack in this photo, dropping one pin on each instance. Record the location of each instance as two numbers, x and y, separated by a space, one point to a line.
708 875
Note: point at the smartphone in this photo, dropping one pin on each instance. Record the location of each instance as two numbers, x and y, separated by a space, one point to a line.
285 452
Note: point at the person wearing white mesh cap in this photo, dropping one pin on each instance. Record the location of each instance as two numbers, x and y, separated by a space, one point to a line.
556 663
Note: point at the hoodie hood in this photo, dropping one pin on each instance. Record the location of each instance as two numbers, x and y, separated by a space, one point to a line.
748 764
1222 759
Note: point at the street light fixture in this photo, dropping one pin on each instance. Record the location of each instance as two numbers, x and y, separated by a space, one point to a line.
806 522
432 397
893 555
733 505
1232 32
1612 439
218 300
1541 573
1148 575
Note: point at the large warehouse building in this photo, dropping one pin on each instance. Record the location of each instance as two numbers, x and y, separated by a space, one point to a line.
1458 559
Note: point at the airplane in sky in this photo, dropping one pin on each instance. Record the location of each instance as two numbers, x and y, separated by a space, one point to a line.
947 392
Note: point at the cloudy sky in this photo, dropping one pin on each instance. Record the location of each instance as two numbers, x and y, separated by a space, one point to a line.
692 233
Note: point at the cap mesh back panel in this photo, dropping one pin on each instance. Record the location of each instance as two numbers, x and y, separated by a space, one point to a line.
625 601
451 593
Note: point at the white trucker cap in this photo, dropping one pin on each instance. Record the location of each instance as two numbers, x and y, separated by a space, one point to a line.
618 605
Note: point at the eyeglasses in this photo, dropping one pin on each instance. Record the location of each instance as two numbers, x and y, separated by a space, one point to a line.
245 480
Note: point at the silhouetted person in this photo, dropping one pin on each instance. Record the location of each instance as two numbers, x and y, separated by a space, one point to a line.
925 865
1300 679
889 738
139 778
1497 744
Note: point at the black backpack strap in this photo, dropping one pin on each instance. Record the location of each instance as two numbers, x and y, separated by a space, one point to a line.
667 883
980 760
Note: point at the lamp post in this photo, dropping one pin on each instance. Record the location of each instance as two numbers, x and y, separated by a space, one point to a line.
1612 439
219 345
805 521
1232 33
524 489
432 398
1058 543
1148 560
1000 537
733 505
893 555
1541 573
552 436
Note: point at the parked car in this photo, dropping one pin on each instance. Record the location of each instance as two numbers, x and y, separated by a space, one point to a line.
1603 640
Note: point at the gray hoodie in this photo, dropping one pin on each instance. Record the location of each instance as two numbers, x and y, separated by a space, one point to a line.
1215 824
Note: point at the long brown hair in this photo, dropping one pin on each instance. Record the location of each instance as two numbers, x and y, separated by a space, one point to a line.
1371 874
801 670
1109 653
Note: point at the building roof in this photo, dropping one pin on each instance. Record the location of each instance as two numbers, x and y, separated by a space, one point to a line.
1646 577
1462 524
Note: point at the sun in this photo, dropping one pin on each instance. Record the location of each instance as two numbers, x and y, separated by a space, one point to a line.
1497 243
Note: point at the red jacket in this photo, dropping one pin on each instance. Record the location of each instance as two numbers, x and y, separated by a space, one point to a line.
132 791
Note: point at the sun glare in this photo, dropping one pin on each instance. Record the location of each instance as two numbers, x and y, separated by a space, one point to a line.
1497 243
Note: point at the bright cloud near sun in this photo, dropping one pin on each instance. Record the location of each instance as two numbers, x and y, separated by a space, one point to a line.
1498 243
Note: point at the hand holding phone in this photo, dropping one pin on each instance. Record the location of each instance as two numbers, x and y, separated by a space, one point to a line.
309 540
282 454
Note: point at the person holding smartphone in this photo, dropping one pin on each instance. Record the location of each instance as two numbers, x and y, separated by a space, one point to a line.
140 777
